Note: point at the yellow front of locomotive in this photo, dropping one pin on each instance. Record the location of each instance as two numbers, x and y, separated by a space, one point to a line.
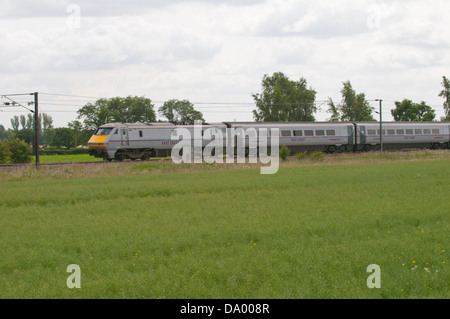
98 143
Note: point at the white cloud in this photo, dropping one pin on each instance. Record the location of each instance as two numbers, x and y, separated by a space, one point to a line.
218 51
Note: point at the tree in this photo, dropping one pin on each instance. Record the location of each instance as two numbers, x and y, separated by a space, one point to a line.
118 109
5 153
180 112
15 123
353 107
94 115
62 137
76 132
26 135
445 93
2 131
47 121
334 110
30 122
23 121
407 111
283 100
5 134
47 136
27 122
20 151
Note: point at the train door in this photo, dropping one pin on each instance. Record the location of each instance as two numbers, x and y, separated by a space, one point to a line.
124 136
362 135
351 135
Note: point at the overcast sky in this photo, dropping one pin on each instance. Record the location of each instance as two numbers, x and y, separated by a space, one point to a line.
215 53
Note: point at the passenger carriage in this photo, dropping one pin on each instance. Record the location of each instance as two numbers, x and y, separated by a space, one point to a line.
397 135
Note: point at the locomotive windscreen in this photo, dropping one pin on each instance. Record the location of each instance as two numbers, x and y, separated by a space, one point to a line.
103 131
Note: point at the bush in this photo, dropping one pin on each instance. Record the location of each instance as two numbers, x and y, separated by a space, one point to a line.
317 156
284 152
4 153
301 156
21 152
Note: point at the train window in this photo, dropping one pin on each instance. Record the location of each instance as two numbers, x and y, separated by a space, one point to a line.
285 133
383 132
331 133
435 131
298 133
116 131
418 131
309 133
427 131
124 131
391 132
320 133
140 133
400 132
409 132
372 132
103 131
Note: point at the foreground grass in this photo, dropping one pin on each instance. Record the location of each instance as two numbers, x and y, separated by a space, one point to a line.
309 231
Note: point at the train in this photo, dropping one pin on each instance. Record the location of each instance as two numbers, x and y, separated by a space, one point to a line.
121 141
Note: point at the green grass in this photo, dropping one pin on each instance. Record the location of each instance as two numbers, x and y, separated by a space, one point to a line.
66 158
309 231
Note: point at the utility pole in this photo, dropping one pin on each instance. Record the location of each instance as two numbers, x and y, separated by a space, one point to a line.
381 124
36 126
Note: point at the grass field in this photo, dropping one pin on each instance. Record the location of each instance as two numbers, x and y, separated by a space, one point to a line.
66 158
157 230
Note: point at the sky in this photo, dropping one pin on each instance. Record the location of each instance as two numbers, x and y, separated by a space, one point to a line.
215 53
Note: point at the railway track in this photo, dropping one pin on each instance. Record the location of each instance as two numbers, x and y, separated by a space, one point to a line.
61 164
43 165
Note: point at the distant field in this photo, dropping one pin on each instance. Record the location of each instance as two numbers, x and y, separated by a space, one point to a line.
157 230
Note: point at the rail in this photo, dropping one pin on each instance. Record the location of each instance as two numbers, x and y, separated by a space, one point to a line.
58 164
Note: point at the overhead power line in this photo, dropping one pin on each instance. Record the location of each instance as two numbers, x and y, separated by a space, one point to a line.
69 95
71 103
14 103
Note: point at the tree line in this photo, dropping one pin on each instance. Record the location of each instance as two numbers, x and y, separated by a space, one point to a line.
281 100
285 100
